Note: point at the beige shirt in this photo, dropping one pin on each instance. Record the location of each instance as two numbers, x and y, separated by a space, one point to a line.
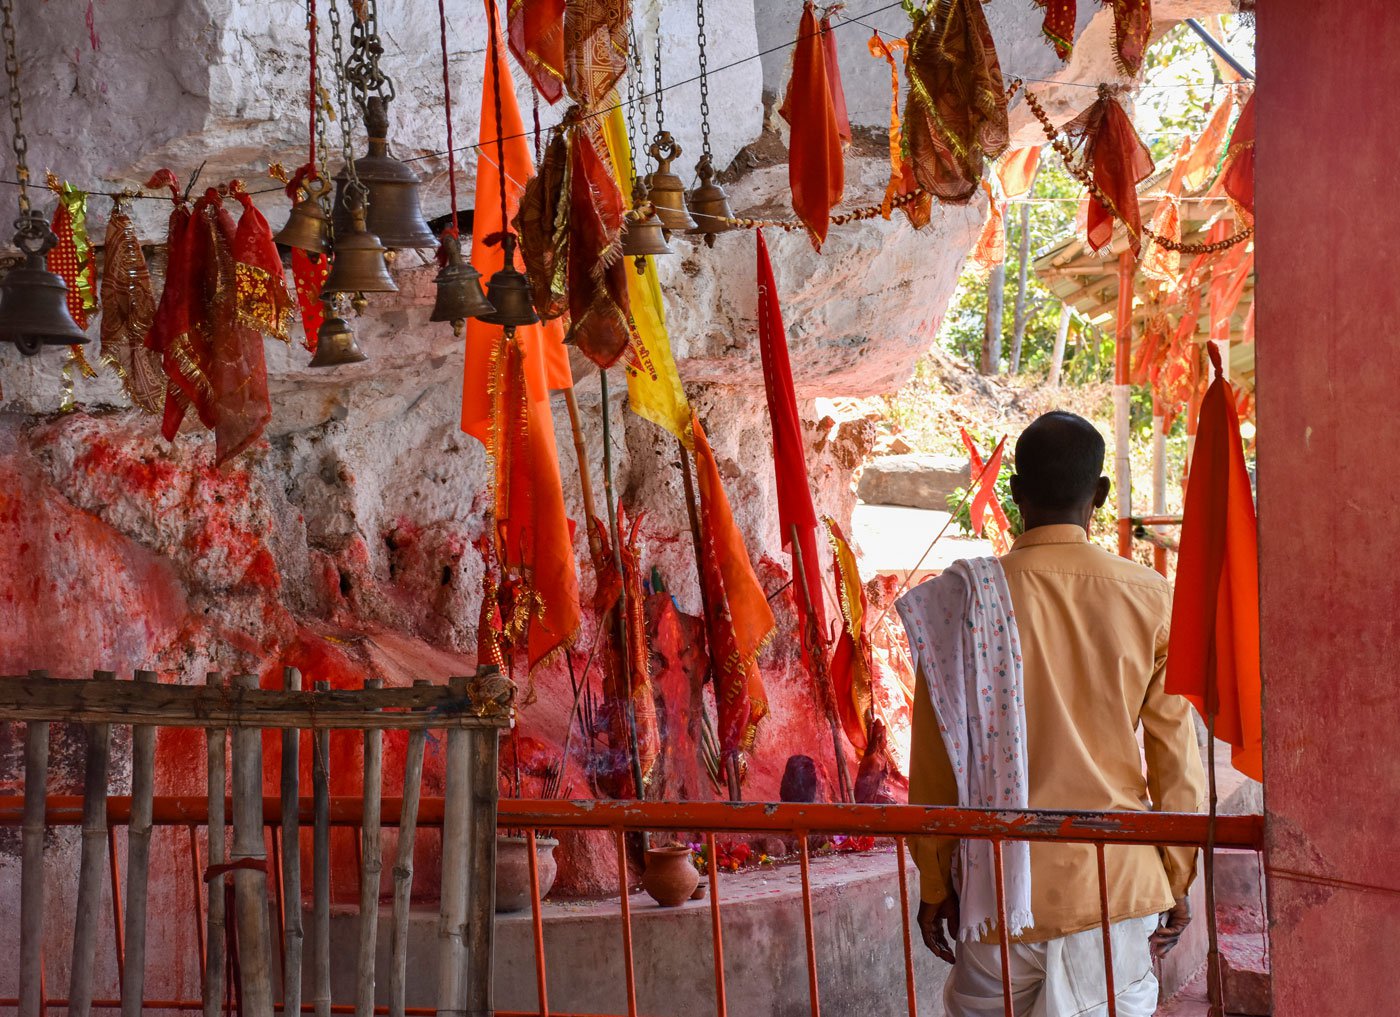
1093 630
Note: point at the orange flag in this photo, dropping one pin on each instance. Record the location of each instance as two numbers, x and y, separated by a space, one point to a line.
816 170
505 397
1200 164
986 490
1213 656
740 621
546 361
1016 171
1238 178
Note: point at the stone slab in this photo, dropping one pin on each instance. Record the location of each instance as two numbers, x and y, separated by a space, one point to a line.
917 479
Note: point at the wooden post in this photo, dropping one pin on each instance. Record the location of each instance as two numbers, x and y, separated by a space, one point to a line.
585 479
94 856
138 859
250 884
293 935
403 869
31 892
481 903
216 739
827 691
1122 354
1057 354
1159 478
457 808
371 864
321 867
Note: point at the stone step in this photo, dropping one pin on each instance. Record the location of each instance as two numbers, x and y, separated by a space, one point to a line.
1244 967
918 480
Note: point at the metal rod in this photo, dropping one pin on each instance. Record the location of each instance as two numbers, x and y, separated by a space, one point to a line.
626 905
31 894
813 993
1003 933
1107 934
717 931
118 939
321 868
274 852
371 865
537 926
403 869
215 740
94 847
909 989
1214 983
1122 394
138 858
1218 48
197 894
292 933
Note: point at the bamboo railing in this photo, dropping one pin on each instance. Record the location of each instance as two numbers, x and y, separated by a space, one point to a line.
473 711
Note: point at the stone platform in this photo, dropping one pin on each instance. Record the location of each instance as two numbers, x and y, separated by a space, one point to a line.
859 942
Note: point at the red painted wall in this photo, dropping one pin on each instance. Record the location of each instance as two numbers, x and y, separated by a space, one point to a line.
1329 447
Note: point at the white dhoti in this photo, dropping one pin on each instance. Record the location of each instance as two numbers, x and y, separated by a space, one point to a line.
1061 977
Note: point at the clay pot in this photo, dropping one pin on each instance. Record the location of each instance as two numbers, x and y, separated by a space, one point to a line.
670 876
513 871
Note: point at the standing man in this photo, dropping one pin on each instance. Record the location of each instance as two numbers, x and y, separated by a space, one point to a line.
1093 634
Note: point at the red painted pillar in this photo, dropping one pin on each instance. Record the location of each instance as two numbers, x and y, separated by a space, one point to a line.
1329 449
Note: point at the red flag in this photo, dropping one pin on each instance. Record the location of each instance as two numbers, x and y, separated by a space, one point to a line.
536 29
833 80
986 490
816 170
1119 161
1132 29
1213 655
1238 178
795 509
988 481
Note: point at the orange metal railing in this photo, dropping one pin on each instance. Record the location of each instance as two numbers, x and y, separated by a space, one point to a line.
899 822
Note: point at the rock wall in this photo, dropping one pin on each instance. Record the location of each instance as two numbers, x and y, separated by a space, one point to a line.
343 543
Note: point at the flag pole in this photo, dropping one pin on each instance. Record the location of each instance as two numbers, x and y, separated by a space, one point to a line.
827 691
621 610
585 478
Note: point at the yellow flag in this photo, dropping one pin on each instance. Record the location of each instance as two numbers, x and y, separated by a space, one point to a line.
653 385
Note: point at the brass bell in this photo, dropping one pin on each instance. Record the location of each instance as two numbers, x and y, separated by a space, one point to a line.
710 204
459 292
666 190
508 292
395 215
641 237
33 300
335 343
359 262
307 228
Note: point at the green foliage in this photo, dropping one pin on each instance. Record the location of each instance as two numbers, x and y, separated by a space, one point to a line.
962 510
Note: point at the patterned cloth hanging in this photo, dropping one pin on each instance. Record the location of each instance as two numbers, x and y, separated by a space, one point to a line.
1119 161
73 260
1132 29
536 31
1238 178
1159 261
816 167
595 48
128 307
263 301
852 665
956 113
919 210
308 276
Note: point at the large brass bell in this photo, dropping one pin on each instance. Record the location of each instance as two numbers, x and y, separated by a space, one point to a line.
395 215
641 237
33 300
308 227
709 204
335 342
359 262
508 292
666 190
459 292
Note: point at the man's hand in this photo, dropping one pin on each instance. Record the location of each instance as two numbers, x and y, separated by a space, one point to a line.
931 920
1174 923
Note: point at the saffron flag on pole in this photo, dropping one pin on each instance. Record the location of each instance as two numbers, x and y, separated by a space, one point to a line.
795 511
985 481
1213 653
816 167
505 395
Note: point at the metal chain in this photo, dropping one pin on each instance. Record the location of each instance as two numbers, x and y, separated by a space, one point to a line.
656 76
641 140
704 80
353 188
362 69
322 135
21 144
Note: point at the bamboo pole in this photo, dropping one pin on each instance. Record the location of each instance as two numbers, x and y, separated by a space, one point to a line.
403 869
481 901
31 892
216 743
293 935
138 859
371 864
620 612
823 676
94 857
457 807
1122 391
321 867
585 478
250 883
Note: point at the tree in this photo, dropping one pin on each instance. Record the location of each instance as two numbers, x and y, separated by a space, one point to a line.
991 332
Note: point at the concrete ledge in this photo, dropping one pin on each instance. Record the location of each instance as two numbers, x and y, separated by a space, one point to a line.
859 945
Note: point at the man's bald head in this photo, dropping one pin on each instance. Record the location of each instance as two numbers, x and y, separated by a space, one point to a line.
1059 468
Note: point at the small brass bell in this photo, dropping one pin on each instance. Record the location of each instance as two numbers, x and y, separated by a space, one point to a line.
395 215
641 237
33 300
666 190
307 228
359 262
709 204
508 292
459 293
335 343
